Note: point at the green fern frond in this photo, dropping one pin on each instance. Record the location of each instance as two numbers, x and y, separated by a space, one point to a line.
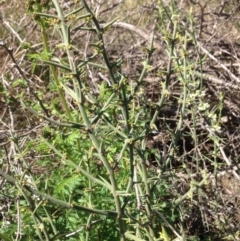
67 185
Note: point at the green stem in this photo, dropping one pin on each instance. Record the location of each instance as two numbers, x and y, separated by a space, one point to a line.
167 81
185 82
99 32
55 76
193 188
36 218
61 203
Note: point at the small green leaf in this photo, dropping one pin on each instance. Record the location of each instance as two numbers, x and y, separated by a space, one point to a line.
4 238
130 236
20 83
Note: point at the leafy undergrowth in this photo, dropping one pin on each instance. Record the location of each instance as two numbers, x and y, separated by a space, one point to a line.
119 121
